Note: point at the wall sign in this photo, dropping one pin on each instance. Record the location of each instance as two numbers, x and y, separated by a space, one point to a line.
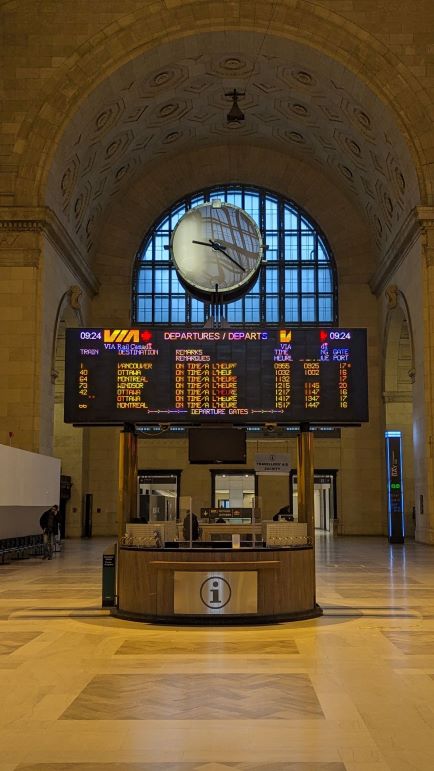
269 463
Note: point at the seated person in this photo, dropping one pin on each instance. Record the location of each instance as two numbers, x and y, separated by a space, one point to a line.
284 514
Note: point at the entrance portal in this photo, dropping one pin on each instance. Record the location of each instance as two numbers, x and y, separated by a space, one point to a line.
324 499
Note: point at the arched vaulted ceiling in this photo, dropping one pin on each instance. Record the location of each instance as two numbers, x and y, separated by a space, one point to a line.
163 103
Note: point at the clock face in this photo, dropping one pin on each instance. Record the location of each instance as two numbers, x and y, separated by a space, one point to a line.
216 247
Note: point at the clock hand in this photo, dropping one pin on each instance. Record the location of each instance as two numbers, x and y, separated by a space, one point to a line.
217 248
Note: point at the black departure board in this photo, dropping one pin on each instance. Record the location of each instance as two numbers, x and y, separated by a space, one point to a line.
234 375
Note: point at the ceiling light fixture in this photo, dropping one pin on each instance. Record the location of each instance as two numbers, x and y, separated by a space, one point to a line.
235 115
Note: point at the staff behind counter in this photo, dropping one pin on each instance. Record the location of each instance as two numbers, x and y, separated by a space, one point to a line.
192 526
284 514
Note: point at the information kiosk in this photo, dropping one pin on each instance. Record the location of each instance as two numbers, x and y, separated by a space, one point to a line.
199 377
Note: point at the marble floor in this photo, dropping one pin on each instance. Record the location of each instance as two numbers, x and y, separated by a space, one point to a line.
350 691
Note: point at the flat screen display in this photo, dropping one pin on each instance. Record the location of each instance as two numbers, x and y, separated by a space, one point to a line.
217 445
195 376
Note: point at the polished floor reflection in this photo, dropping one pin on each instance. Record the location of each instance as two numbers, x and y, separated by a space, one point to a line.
350 691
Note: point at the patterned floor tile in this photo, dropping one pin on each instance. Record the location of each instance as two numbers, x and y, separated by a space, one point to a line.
11 641
146 647
413 642
200 697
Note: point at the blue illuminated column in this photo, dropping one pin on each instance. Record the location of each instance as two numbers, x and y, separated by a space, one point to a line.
395 493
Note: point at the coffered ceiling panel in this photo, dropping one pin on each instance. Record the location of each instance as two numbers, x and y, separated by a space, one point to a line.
296 99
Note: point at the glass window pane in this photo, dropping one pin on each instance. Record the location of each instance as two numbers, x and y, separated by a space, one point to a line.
160 242
162 280
235 197
251 308
271 213
197 311
290 219
144 280
291 280
251 205
325 308
271 280
144 309
272 309
147 253
256 287
178 310
235 311
305 224
324 280
161 309
197 200
177 214
271 240
307 309
176 286
291 248
322 252
307 247
291 309
308 280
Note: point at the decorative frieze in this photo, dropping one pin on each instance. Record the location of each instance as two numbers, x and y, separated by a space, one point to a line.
419 221
17 249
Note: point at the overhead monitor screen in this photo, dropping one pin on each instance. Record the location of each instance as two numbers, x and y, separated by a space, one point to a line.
216 445
193 376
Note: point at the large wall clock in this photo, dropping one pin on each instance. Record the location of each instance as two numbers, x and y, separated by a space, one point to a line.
217 249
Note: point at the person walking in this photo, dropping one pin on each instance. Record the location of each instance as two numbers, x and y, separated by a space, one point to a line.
49 523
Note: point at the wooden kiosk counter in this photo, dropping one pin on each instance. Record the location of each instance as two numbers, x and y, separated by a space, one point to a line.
222 585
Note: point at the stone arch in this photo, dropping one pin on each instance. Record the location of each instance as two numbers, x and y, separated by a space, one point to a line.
398 329
131 216
143 30
68 313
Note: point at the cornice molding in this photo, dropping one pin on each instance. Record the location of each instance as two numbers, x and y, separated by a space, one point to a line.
418 220
41 219
397 397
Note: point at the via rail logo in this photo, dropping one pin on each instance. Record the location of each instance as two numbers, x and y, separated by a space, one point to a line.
215 592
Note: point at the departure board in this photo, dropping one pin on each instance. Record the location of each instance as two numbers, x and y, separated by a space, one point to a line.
192 376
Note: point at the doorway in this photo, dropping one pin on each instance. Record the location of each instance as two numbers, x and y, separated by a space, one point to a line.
230 489
325 508
158 495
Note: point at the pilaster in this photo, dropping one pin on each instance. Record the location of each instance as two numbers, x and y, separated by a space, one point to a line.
425 493
24 317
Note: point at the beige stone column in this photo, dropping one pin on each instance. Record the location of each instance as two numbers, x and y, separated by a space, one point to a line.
305 480
21 329
423 428
305 485
127 480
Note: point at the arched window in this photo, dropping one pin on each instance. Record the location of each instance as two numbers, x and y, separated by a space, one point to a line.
296 285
